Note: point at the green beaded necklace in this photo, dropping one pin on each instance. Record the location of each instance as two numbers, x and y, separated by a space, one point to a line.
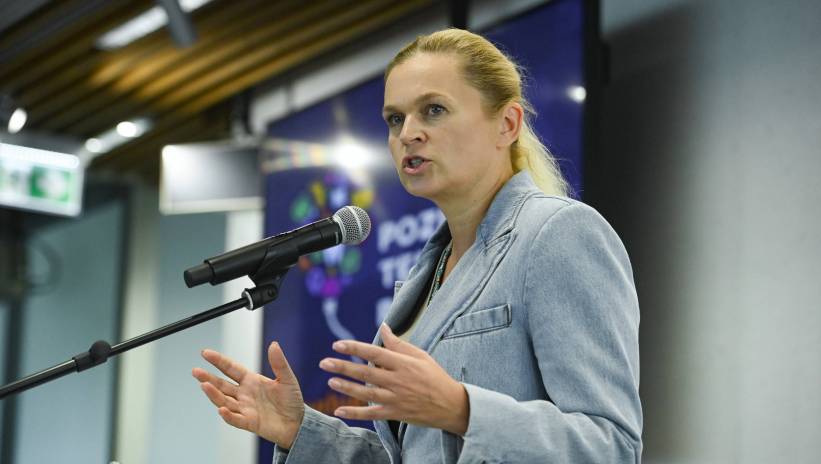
440 271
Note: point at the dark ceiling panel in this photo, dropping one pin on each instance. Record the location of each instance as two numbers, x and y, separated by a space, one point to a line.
73 89
13 11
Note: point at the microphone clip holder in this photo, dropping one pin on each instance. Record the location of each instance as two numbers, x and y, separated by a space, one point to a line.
267 289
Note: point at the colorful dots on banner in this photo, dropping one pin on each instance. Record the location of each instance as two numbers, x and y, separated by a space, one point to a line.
318 194
327 272
362 198
303 209
351 262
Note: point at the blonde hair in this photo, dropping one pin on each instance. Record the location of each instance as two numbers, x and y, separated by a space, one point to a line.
499 81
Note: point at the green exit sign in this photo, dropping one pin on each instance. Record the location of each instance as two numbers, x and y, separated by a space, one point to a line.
40 180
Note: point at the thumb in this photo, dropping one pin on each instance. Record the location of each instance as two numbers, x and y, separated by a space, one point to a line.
279 365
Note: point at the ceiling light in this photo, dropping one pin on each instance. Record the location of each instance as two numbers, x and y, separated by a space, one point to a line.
577 93
349 153
17 120
127 129
94 145
112 138
142 25
12 116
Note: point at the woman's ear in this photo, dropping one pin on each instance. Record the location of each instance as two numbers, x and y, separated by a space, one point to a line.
510 123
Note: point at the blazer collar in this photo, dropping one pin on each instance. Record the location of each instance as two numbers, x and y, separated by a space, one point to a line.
499 218
498 221
501 215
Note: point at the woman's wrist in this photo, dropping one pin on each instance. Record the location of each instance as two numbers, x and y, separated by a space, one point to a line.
288 443
290 433
460 407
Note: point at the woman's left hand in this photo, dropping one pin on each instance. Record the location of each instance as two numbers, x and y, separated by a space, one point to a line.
404 382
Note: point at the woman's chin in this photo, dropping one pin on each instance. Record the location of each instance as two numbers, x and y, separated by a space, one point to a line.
419 188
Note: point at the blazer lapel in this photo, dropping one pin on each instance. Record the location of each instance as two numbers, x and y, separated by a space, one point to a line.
459 291
474 269
405 300
403 306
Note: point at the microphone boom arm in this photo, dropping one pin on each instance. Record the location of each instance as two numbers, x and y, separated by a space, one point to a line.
266 291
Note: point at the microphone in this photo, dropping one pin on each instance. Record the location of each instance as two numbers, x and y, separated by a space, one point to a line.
350 226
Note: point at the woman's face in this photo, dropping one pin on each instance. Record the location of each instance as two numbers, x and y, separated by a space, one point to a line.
443 144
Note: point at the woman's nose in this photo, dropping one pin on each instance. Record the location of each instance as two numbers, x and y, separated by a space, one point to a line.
411 131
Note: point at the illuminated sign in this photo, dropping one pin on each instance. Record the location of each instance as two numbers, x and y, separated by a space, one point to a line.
40 180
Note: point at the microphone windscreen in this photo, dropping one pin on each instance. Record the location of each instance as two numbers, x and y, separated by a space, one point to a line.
354 223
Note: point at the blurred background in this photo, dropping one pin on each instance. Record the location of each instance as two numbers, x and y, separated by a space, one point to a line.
138 138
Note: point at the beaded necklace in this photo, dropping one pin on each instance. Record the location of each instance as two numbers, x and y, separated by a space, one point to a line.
440 271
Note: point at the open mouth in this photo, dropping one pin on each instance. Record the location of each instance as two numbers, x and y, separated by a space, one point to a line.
413 162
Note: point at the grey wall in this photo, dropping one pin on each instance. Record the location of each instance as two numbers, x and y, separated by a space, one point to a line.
163 416
708 167
69 420
181 416
4 311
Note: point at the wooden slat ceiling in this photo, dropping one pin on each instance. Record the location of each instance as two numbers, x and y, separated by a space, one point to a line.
71 88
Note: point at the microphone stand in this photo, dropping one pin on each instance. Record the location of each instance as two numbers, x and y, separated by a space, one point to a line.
267 289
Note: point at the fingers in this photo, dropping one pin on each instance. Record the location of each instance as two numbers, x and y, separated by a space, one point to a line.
361 392
390 357
222 385
394 343
380 356
368 374
234 419
279 365
375 412
218 398
226 365
221 392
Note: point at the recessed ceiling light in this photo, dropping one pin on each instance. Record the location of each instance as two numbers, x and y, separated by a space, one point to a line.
142 25
113 138
17 120
127 129
94 145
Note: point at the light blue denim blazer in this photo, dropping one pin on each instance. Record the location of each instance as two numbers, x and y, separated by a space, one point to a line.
539 320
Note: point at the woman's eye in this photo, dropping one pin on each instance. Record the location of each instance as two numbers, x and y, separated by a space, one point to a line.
394 120
435 110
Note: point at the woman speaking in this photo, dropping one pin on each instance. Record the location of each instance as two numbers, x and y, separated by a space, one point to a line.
515 336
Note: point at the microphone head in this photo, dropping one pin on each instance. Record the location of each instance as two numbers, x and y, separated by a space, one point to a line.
354 223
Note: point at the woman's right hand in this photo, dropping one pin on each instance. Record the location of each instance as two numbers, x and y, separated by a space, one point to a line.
270 408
